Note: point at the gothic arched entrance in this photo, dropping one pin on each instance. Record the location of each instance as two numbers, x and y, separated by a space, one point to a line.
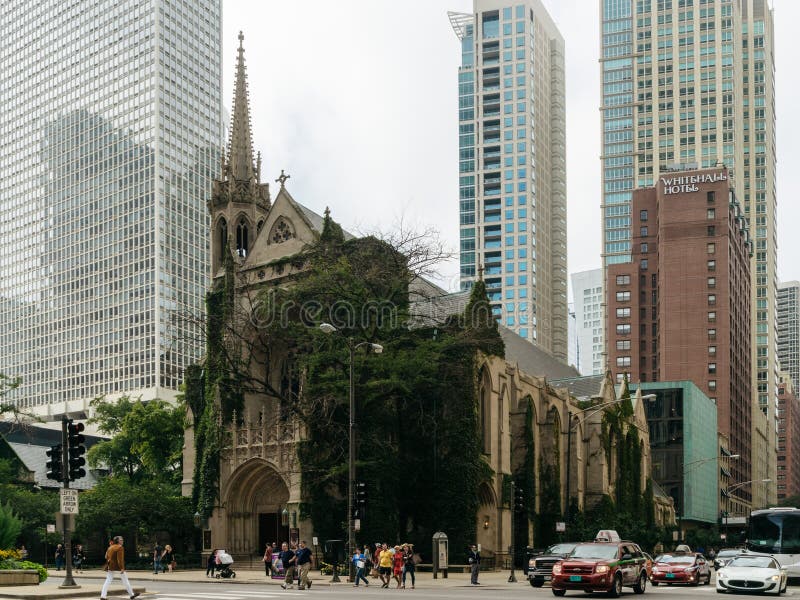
254 498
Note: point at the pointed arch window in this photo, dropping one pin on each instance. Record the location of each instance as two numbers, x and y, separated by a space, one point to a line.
282 231
241 238
222 238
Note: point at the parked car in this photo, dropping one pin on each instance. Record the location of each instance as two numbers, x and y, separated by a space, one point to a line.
724 555
752 572
690 568
601 566
540 568
649 562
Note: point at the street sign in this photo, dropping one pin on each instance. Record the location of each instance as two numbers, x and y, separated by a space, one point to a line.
51 528
315 541
69 502
561 526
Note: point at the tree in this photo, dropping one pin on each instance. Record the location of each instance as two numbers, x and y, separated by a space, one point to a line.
147 439
10 527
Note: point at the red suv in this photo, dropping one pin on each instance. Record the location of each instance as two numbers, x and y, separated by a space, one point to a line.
601 566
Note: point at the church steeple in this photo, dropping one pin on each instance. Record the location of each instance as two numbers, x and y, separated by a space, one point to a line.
240 146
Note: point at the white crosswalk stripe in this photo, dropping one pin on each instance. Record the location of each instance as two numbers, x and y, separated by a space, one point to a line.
227 595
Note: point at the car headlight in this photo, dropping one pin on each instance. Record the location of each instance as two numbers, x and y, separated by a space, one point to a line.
531 563
720 574
601 569
774 578
557 569
656 570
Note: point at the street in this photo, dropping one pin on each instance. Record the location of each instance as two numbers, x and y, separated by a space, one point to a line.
233 590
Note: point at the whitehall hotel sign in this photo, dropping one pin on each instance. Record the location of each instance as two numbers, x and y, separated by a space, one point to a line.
690 183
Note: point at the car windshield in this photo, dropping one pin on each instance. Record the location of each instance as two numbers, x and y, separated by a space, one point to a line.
763 562
677 560
560 549
602 551
726 553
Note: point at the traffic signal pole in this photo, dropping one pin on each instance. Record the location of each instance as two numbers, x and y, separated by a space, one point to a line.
69 582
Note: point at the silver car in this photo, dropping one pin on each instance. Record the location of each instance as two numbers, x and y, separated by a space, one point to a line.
751 572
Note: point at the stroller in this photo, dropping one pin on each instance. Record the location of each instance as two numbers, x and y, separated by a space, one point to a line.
225 560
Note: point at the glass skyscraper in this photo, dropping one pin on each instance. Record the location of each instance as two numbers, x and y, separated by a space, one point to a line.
512 166
110 133
691 84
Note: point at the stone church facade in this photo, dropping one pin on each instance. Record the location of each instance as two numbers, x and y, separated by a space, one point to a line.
260 488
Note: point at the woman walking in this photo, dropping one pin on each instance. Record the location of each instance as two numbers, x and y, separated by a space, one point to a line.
397 565
360 562
409 565
268 560
211 564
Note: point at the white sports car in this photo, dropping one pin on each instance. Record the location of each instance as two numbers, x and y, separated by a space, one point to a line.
749 572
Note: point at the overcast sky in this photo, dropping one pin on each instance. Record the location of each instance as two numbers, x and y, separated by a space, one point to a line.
357 100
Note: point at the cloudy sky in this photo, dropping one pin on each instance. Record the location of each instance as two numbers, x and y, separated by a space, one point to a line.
357 100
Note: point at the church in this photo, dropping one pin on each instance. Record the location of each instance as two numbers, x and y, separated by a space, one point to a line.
241 457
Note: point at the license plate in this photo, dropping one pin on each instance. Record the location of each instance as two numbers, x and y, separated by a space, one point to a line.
574 577
670 575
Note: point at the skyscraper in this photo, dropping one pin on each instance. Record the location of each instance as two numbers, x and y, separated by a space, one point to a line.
110 133
587 294
512 174
789 330
688 84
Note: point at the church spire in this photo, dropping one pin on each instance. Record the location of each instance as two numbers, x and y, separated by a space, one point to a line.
240 148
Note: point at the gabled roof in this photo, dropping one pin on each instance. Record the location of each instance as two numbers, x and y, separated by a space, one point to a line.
533 360
581 387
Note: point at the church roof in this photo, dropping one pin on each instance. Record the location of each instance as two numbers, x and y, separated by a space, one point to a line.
581 387
533 360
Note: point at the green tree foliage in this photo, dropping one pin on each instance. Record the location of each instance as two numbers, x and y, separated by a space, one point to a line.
32 506
147 439
10 527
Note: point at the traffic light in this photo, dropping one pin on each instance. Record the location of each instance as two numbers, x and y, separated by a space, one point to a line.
361 497
519 499
76 450
54 465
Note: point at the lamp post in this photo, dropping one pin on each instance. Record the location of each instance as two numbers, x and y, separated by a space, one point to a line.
572 423
728 491
351 452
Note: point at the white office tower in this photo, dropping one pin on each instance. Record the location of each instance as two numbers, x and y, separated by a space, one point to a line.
110 133
587 298
789 330
512 166
691 84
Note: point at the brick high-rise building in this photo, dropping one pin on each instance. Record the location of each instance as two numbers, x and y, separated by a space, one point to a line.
680 310
788 439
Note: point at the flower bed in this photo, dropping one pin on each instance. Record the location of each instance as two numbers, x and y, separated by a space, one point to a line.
14 571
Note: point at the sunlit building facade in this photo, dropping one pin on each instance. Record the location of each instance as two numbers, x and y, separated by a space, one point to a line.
110 133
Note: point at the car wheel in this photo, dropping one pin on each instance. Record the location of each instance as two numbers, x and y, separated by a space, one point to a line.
537 582
616 589
641 583
559 592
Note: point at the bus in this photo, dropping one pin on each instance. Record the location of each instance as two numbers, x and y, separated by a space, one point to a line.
776 531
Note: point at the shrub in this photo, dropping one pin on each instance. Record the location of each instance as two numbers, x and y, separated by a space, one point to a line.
10 526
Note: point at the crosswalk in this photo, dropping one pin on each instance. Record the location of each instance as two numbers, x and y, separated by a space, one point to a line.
228 595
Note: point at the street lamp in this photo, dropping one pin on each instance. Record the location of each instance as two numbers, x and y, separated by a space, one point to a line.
728 491
572 423
351 454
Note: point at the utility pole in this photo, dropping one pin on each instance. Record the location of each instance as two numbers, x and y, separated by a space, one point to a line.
69 582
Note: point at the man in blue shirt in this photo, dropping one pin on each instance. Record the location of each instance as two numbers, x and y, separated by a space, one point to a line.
303 556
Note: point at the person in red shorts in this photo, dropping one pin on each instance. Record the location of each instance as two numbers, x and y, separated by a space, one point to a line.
397 565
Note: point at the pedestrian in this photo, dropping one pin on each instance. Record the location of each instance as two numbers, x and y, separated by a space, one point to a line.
376 560
115 564
474 560
712 554
409 565
385 562
397 565
303 560
157 551
23 552
268 560
360 563
168 559
286 557
211 564
77 558
59 557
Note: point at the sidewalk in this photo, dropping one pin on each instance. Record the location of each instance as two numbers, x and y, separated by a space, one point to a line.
50 590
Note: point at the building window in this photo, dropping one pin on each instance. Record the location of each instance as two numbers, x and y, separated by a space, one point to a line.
712 299
712 385
711 213
711 230
643 215
712 282
712 334
623 279
710 197
624 329
643 231
712 350
712 265
712 316
711 248
623 296
712 368
623 344
643 264
623 361
644 248
623 313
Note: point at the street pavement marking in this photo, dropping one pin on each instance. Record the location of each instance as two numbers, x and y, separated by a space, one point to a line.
213 596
